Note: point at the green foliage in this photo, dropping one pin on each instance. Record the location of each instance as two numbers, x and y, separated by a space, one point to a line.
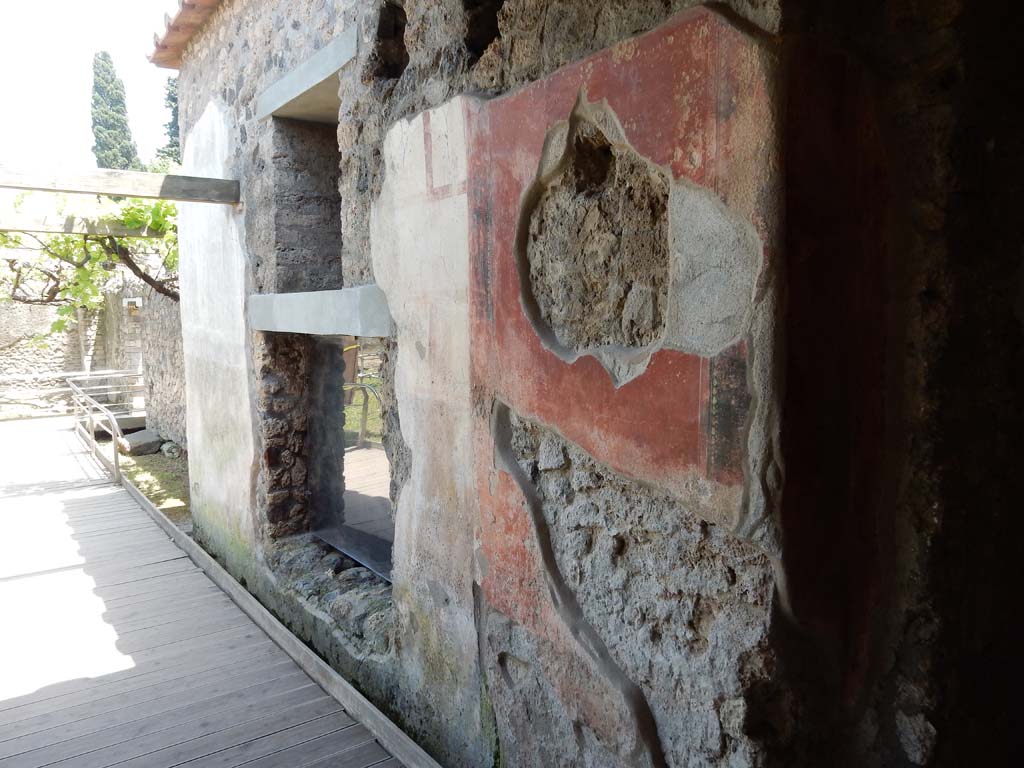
72 271
172 150
157 216
113 145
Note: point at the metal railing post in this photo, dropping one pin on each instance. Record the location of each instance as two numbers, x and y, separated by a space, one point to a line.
117 447
367 390
85 401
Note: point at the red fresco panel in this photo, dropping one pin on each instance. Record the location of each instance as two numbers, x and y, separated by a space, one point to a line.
674 91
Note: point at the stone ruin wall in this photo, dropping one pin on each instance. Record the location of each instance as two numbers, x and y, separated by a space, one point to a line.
815 635
114 338
20 324
163 367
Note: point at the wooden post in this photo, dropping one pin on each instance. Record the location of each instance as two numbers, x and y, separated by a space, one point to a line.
191 189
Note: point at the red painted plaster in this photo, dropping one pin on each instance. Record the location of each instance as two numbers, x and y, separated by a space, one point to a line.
676 92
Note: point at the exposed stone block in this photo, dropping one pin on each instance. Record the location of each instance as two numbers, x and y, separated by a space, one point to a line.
140 443
171 450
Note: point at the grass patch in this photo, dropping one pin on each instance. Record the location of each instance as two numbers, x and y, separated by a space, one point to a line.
162 480
353 415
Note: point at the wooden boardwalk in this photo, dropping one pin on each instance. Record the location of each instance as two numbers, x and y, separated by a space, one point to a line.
367 492
115 649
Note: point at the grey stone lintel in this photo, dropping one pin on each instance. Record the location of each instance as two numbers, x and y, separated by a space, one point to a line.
310 91
360 311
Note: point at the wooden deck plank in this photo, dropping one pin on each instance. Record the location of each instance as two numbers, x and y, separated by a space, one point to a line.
40 523
265 728
133 528
173 603
225 612
181 717
267 744
111 577
183 608
67 531
103 689
88 709
57 560
230 728
192 677
347 748
113 523
100 506
105 570
196 695
122 594
391 762
234 641
145 639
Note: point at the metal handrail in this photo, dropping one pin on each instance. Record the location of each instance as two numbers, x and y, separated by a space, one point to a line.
361 441
44 392
86 408
110 373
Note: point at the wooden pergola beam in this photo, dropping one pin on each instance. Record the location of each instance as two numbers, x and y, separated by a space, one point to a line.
15 221
188 189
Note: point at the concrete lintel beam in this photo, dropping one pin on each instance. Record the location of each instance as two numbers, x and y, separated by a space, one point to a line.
361 311
310 91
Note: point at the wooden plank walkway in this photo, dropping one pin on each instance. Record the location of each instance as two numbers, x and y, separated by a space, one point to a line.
115 649
367 492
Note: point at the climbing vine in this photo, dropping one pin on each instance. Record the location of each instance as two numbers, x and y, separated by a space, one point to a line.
72 272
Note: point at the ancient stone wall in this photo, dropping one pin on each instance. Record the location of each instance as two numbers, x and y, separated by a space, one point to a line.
678 480
116 336
110 336
163 366
300 431
118 343
20 351
894 496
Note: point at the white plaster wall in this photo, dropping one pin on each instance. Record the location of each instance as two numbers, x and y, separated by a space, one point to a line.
217 382
420 251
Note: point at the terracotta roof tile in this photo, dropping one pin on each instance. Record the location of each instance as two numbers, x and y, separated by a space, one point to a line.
191 16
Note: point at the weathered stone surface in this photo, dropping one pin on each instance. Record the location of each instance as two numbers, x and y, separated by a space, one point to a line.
683 608
525 40
358 602
140 443
170 450
627 521
598 244
163 366
917 737
895 517
20 353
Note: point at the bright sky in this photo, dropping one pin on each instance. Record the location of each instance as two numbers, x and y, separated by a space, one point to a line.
46 77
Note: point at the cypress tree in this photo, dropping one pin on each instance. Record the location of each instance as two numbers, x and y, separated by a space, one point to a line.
113 145
172 149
